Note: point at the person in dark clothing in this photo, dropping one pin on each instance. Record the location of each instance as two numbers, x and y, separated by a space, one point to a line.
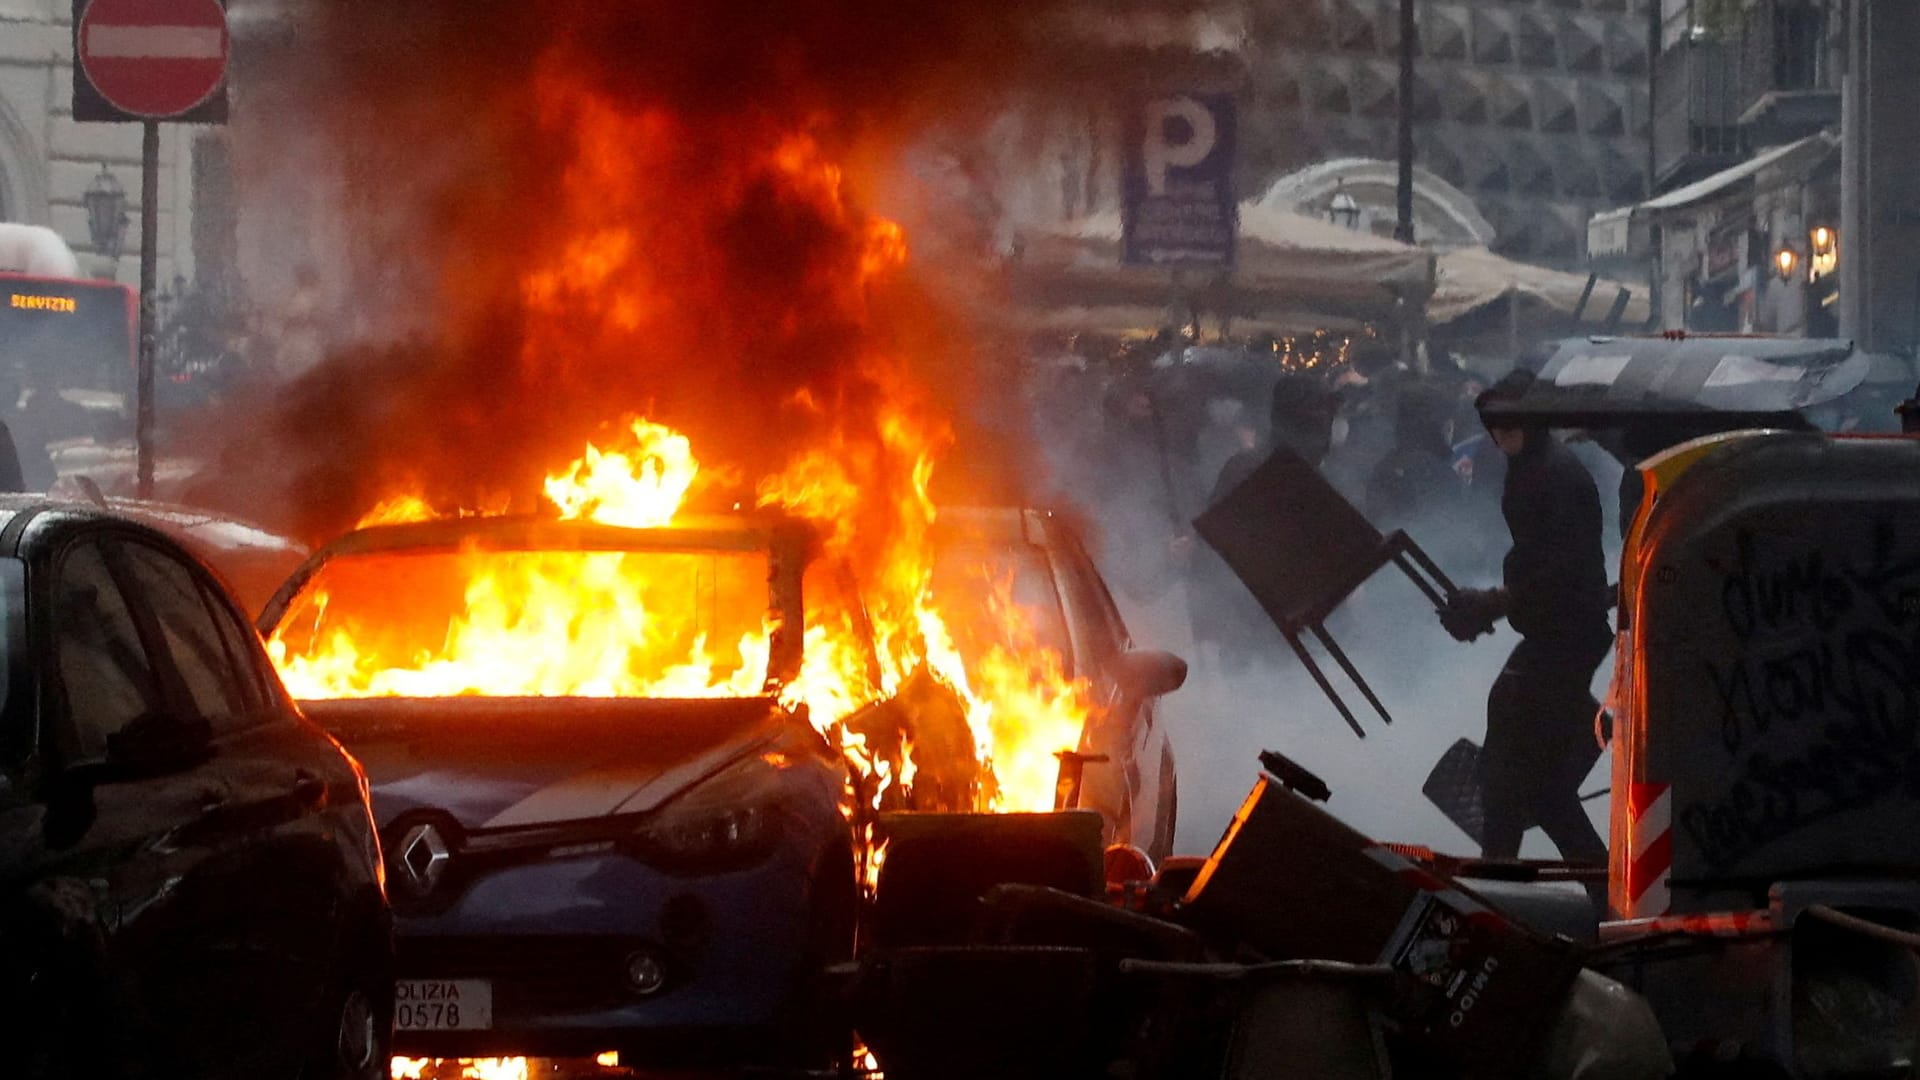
1302 413
1909 413
1540 712
1416 478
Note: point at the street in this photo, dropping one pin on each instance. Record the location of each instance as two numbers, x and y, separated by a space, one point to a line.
1165 538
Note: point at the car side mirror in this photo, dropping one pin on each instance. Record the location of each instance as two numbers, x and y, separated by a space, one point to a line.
1148 673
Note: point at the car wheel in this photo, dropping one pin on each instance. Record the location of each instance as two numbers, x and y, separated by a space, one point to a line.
355 1040
820 1035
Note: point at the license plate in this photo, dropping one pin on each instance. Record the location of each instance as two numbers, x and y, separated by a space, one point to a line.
442 1005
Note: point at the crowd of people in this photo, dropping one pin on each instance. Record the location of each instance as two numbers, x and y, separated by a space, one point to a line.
1527 519
1175 431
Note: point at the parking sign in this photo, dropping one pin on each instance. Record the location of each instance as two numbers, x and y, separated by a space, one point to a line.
1179 208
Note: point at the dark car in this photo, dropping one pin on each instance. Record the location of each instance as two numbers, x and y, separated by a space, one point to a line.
1035 560
192 880
580 863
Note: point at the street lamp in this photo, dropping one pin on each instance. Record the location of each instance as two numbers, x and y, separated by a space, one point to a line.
1785 261
106 203
1342 210
1823 245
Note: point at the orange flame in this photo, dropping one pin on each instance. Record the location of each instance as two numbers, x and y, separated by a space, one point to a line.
507 1068
597 624
639 489
984 727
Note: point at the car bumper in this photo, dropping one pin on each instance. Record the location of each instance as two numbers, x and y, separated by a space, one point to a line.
554 942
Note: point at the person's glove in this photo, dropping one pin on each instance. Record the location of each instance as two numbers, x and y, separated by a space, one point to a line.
1470 613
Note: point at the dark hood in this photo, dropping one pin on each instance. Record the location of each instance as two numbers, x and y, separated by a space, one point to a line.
508 762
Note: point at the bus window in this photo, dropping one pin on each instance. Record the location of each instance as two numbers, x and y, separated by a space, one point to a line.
67 333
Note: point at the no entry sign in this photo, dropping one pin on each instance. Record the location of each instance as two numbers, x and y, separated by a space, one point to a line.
150 60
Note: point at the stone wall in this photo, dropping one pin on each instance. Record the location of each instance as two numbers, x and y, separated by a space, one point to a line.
1537 109
47 160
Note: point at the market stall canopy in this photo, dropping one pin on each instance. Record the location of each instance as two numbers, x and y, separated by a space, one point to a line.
1472 279
1290 265
1601 382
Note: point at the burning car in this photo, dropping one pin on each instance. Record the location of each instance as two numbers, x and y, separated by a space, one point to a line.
628 841
1028 567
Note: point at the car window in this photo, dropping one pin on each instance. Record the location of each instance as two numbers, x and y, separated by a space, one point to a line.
218 686
1000 595
640 622
104 670
1093 609
241 642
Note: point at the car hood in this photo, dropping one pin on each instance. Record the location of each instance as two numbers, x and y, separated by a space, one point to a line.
499 763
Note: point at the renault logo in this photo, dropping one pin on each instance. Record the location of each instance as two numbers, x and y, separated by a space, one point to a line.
422 858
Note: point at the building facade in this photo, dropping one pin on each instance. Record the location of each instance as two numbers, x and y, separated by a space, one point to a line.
1535 109
48 161
1744 228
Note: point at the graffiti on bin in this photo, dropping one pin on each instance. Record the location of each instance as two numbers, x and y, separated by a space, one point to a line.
1818 704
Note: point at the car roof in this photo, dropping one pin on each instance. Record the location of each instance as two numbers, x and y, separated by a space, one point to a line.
181 525
720 532
993 525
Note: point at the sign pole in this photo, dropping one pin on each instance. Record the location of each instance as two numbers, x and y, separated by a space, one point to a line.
149 61
149 271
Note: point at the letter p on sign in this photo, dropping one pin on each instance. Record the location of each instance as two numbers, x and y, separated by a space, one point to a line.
1180 134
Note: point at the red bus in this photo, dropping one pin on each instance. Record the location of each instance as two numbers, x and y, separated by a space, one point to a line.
68 332
68 349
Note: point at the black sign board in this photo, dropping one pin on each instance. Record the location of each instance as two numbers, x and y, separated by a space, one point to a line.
1178 204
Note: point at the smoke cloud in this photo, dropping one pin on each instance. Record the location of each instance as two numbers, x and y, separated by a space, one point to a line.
537 218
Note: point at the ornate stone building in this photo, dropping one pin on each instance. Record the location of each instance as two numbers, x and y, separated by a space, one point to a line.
1536 109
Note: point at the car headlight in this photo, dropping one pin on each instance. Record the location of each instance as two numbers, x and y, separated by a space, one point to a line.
730 821
712 835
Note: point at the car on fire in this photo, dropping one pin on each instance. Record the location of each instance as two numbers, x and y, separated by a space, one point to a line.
1033 563
192 873
630 844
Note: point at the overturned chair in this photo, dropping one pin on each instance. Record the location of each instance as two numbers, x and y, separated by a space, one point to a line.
1301 548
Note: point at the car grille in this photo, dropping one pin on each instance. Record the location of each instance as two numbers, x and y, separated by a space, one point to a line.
530 974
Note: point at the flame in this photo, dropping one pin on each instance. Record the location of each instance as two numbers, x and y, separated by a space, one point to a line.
398 509
542 623
506 1068
640 488
939 713
614 624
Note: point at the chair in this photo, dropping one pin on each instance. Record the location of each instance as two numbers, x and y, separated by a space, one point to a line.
1301 548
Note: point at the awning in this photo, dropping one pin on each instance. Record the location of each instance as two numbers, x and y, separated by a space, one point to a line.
1622 231
1293 271
1603 382
1471 279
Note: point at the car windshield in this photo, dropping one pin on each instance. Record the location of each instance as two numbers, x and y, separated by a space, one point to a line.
441 623
999 595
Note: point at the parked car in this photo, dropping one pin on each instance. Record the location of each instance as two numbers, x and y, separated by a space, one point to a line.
658 875
192 880
1040 563
250 560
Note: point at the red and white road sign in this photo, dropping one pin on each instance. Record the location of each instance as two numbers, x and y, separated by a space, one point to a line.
154 58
